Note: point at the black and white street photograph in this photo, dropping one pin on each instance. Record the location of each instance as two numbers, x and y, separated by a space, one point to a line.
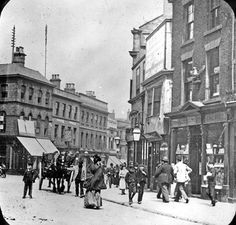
117 112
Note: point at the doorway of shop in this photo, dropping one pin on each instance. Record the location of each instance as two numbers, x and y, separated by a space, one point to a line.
195 149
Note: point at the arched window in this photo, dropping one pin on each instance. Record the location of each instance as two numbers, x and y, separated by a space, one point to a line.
38 122
22 115
46 125
30 116
47 98
40 94
23 90
2 122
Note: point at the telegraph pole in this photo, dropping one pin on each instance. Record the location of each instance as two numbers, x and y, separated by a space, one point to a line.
13 40
46 40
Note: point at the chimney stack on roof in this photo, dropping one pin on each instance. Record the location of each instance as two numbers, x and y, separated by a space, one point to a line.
55 80
70 87
19 56
91 94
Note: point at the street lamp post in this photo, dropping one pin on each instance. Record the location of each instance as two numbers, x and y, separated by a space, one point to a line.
136 136
117 141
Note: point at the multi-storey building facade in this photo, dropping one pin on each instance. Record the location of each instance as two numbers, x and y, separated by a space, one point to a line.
151 91
202 120
25 111
93 124
35 113
66 116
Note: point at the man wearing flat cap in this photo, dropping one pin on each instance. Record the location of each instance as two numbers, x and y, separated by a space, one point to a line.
141 176
165 175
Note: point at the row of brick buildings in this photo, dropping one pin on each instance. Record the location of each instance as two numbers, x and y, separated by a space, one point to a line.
183 92
37 116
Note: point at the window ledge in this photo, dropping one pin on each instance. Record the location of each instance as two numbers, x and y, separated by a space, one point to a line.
188 42
212 100
215 29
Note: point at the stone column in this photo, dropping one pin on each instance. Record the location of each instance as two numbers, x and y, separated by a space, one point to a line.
173 141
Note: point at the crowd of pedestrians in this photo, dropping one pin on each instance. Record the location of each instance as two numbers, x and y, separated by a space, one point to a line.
91 178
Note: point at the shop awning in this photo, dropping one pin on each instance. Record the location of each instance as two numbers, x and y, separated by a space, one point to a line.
32 146
114 160
47 145
153 136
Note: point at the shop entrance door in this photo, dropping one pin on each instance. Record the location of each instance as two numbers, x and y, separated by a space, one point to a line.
195 148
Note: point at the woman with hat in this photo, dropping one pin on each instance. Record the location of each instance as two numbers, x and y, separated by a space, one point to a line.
95 185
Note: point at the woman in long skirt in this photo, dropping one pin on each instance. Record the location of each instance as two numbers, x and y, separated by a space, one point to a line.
122 183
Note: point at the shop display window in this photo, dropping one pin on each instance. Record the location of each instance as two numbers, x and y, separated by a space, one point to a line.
183 151
215 153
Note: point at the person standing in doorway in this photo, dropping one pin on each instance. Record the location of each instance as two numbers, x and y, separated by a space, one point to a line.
141 176
181 171
165 175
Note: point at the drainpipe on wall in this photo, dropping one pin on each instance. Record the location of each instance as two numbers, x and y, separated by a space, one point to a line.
233 49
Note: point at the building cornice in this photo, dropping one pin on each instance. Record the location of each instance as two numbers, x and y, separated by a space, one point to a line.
159 75
138 62
137 97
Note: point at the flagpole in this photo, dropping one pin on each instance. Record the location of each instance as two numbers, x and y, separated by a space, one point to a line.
46 34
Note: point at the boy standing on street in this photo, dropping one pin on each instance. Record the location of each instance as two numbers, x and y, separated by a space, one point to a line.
211 178
141 181
130 179
29 178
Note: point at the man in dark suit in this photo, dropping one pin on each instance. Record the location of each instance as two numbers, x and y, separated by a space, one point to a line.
165 175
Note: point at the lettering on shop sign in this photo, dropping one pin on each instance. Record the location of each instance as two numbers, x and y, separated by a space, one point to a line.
215 117
191 120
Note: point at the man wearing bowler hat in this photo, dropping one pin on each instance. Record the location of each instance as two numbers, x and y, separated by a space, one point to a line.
165 175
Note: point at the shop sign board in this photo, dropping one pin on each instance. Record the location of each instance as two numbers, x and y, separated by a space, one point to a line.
215 117
186 121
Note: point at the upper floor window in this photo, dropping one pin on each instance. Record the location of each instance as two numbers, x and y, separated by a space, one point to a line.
154 99
82 116
56 131
105 122
70 111
138 81
22 115
30 116
64 110
143 70
76 112
2 122
40 94
187 67
47 98
87 117
23 90
214 13
4 91
92 116
189 20
213 71
74 135
38 124
31 93
57 108
62 132
46 125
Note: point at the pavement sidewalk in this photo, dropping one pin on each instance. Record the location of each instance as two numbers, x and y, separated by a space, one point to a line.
197 210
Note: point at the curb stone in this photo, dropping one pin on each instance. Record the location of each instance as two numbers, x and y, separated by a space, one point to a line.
157 212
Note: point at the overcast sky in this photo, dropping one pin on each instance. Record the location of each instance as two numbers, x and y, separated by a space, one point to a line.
88 42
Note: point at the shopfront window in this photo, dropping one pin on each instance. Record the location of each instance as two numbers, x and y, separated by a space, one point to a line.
215 151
